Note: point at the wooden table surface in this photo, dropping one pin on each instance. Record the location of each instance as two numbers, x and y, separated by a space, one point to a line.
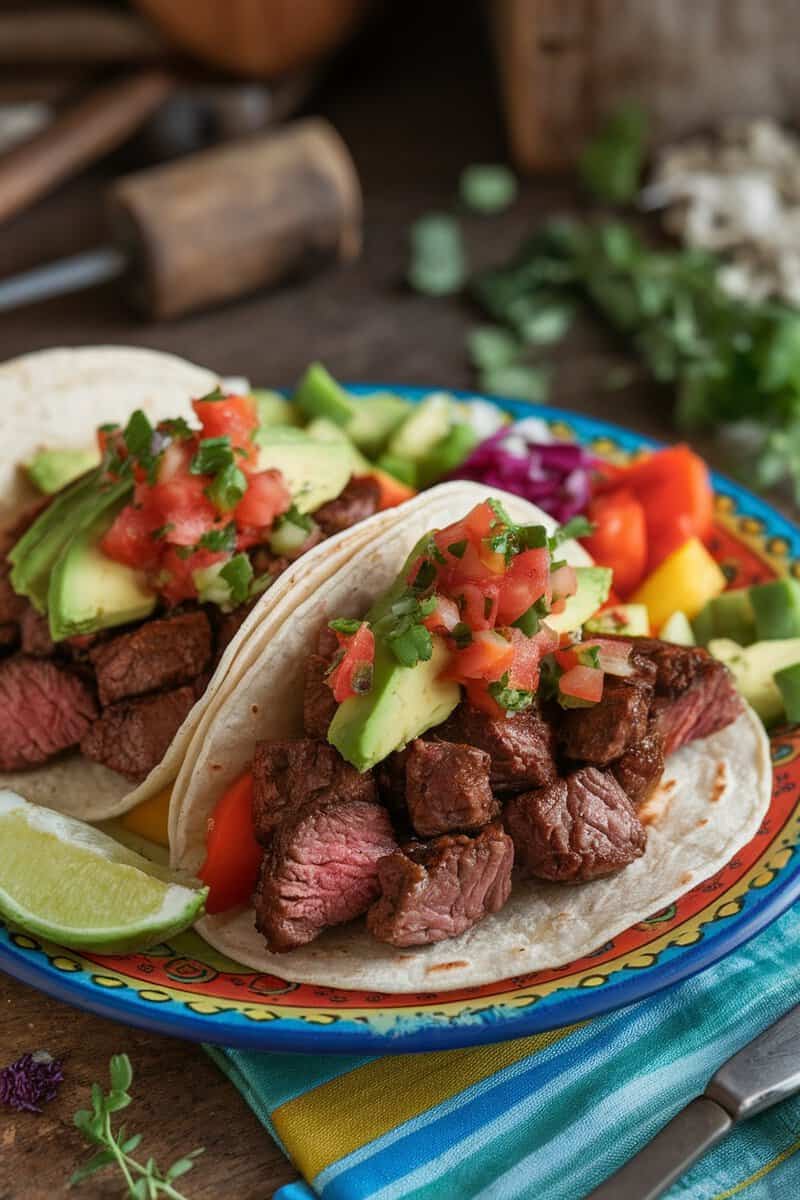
416 102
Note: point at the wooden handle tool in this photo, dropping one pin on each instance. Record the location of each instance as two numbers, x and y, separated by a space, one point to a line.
86 131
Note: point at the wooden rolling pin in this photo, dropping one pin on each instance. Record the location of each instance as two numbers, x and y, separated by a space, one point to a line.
219 224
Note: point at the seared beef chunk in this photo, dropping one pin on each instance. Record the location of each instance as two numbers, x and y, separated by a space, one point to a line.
319 705
9 636
578 828
604 731
44 709
159 654
359 500
436 890
12 606
447 788
640 768
521 747
321 869
133 736
35 630
695 695
288 776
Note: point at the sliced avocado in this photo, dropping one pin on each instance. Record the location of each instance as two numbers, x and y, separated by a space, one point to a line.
315 471
777 609
52 470
319 395
328 431
90 591
753 669
273 409
447 454
678 630
35 554
426 425
788 683
403 703
374 420
703 626
401 468
594 584
630 619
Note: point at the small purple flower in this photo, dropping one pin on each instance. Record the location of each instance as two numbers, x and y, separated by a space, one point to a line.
31 1081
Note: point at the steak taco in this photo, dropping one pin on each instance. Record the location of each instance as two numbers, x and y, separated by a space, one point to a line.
430 776
168 524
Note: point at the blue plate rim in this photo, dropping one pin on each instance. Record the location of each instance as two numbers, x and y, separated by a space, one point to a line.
421 1034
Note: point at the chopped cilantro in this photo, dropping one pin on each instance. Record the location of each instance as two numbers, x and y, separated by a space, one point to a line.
402 631
220 539
461 635
611 163
413 645
177 428
345 625
227 488
213 456
529 621
184 552
425 576
575 528
457 549
510 699
216 394
238 574
162 531
294 517
138 436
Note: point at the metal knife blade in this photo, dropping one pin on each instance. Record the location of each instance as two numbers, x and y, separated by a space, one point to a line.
58 278
763 1072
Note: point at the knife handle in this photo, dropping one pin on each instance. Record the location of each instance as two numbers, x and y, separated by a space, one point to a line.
687 1137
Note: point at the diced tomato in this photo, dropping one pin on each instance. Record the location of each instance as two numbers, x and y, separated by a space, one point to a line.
444 617
524 670
235 417
488 656
471 529
182 504
392 491
347 679
582 683
130 538
233 856
619 540
566 658
175 579
267 496
525 582
479 604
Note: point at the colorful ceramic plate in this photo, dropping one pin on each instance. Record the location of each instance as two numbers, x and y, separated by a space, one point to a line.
188 990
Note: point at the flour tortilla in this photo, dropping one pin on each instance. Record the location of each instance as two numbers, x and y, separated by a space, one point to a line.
58 398
710 803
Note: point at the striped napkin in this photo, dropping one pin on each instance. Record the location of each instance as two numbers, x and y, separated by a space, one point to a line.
549 1116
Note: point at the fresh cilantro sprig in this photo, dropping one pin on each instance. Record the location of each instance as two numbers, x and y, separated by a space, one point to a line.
143 1181
510 698
401 628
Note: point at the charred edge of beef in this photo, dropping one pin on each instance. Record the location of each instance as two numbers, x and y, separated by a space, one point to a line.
35 634
640 768
132 736
44 709
709 704
436 890
521 748
579 828
158 655
359 500
321 870
289 776
319 705
603 732
447 788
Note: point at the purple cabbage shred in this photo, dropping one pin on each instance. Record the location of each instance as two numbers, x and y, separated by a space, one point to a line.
555 475
31 1081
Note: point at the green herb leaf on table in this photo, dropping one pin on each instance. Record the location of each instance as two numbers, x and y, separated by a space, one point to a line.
487 188
611 163
438 265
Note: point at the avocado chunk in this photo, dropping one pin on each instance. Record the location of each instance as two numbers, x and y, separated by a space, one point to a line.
402 704
401 468
426 425
90 591
315 471
729 615
624 619
328 431
374 420
788 682
319 395
777 608
448 453
273 409
753 669
35 554
52 470
678 630
594 584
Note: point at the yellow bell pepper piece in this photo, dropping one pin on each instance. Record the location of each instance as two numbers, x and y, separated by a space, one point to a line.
150 818
686 580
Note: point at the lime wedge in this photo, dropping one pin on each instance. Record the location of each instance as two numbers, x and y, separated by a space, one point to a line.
67 882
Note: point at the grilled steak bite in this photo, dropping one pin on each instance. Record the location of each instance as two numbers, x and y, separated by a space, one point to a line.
12 606
521 747
35 633
290 776
604 731
447 788
708 703
436 890
9 636
640 768
159 654
359 500
44 709
577 829
133 736
321 869
319 705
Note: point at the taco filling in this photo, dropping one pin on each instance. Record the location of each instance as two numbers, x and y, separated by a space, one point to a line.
462 730
120 592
